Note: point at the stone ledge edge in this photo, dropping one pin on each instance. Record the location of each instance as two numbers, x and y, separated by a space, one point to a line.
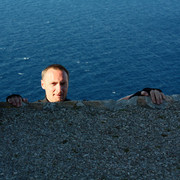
105 104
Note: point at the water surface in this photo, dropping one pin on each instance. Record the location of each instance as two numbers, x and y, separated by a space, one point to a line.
111 48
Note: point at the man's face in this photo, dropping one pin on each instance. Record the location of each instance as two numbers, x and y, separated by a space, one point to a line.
55 83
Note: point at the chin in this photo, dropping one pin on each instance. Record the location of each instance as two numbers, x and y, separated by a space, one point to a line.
59 99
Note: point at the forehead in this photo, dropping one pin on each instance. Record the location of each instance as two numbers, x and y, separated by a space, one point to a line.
55 75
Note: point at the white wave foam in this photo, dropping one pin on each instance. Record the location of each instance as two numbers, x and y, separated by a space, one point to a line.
26 58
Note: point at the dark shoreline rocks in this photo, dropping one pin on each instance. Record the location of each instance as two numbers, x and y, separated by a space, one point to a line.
91 140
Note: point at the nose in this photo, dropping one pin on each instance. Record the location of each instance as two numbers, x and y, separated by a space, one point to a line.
59 88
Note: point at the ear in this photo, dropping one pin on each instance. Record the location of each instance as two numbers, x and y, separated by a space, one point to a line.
43 84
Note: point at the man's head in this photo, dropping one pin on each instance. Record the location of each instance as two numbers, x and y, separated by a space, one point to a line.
55 81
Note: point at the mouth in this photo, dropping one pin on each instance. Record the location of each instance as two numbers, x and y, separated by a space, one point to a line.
59 96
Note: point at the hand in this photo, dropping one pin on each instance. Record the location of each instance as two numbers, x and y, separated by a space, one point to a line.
157 97
16 101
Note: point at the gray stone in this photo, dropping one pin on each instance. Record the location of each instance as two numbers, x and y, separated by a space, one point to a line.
176 97
80 104
90 140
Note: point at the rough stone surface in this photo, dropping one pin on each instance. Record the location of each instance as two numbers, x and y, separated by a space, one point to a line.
132 139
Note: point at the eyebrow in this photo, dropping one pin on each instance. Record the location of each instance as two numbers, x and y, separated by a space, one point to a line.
57 82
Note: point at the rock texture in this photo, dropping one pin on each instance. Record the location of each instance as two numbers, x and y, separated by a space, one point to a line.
132 139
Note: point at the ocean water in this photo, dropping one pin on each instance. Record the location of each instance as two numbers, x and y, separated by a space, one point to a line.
111 48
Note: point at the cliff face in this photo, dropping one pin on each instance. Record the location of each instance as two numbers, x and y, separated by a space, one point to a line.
91 140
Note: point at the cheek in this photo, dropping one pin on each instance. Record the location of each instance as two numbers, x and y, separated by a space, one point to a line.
64 88
51 89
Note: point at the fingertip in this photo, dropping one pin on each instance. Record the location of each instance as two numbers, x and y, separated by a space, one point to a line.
144 93
25 100
164 97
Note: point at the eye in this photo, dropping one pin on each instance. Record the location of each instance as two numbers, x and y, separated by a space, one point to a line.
54 83
63 83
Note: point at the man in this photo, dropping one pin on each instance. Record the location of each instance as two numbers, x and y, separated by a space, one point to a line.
55 82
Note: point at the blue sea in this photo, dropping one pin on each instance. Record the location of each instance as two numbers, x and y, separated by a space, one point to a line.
111 48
